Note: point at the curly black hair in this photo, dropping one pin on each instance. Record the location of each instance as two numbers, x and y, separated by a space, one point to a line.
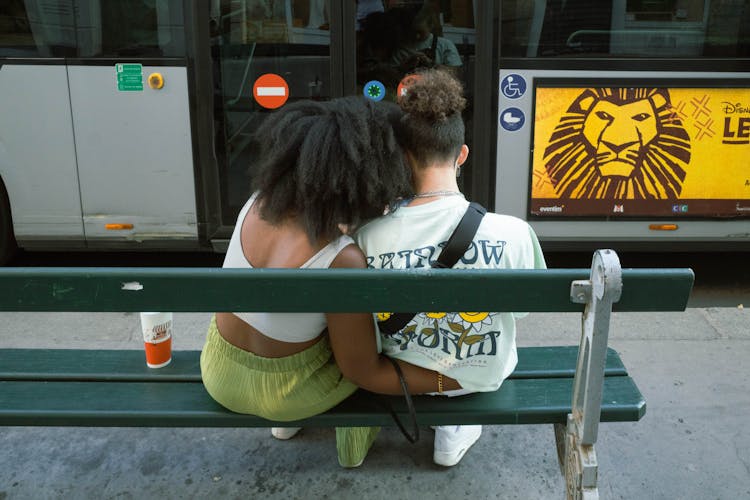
330 163
432 128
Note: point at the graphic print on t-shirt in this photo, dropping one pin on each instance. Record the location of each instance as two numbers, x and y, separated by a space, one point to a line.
439 335
480 252
462 336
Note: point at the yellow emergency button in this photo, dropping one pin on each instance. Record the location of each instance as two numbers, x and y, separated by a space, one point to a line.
155 81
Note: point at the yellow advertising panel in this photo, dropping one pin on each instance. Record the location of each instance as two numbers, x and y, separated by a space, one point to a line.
641 151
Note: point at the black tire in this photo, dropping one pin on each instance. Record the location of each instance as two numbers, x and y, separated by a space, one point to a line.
8 245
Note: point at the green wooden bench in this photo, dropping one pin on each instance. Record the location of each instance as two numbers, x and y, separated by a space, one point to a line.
573 388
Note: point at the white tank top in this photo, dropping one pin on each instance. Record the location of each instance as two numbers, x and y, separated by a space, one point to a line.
286 327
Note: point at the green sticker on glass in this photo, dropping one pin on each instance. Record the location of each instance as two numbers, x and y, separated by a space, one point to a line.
129 77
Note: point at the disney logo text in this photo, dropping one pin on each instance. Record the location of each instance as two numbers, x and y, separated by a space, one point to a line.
730 108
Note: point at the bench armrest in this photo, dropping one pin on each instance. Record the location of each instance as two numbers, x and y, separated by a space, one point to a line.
603 289
575 443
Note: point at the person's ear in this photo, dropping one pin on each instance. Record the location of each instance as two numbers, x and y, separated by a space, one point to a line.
463 155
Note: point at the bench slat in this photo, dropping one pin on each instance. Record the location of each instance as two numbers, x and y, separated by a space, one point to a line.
333 290
186 404
129 365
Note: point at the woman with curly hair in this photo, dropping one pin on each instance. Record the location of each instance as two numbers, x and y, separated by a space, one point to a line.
477 349
325 166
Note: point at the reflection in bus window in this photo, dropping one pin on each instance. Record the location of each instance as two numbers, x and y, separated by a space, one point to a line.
249 39
728 29
397 38
37 28
665 27
365 8
16 38
91 28
422 42
625 28
396 41
135 28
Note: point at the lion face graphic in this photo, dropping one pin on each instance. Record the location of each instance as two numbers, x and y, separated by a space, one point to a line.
619 143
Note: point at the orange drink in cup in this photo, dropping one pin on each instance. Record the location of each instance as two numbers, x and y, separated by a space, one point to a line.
157 338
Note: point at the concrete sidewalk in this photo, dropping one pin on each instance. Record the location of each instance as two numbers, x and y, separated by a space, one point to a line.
693 443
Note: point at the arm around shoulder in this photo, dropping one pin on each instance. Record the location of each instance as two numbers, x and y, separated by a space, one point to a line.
352 337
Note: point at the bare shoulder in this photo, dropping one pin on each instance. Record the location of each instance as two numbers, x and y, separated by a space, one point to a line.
350 257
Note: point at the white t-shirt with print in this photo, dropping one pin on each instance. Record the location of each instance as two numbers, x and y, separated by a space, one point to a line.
476 348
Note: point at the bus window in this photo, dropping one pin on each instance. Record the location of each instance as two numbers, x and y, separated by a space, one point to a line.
395 39
249 39
91 28
130 28
625 28
728 29
36 28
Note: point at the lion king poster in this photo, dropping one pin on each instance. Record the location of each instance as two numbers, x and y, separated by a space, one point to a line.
641 151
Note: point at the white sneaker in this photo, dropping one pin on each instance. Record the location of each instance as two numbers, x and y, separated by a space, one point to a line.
453 441
285 432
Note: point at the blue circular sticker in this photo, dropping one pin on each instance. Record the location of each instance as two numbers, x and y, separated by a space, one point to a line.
513 86
374 90
512 119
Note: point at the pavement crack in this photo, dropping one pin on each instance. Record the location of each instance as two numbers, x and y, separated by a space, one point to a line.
710 320
737 452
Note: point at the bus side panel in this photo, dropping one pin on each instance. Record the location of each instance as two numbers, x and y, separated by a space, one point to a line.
515 148
37 155
135 156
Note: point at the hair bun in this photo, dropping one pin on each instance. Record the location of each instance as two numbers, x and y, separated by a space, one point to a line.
434 96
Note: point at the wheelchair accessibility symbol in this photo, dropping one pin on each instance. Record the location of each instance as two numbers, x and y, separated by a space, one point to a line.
513 86
512 119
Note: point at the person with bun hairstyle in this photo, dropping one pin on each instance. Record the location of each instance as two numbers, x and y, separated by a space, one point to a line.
325 167
478 349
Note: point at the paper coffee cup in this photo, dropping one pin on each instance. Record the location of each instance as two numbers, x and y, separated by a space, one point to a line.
157 338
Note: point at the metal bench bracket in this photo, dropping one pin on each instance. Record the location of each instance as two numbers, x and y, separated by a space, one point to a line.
575 441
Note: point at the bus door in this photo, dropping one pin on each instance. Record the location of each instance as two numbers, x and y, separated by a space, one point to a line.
268 54
264 55
131 118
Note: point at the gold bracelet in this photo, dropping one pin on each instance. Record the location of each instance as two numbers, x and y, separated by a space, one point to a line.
440 383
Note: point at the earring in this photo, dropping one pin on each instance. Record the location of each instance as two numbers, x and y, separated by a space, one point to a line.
458 171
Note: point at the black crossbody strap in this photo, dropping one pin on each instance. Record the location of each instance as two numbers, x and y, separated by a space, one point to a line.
462 237
456 246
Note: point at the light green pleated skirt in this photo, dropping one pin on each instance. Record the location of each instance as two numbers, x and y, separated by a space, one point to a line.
282 389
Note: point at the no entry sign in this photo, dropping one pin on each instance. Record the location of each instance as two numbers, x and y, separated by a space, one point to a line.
403 87
270 91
